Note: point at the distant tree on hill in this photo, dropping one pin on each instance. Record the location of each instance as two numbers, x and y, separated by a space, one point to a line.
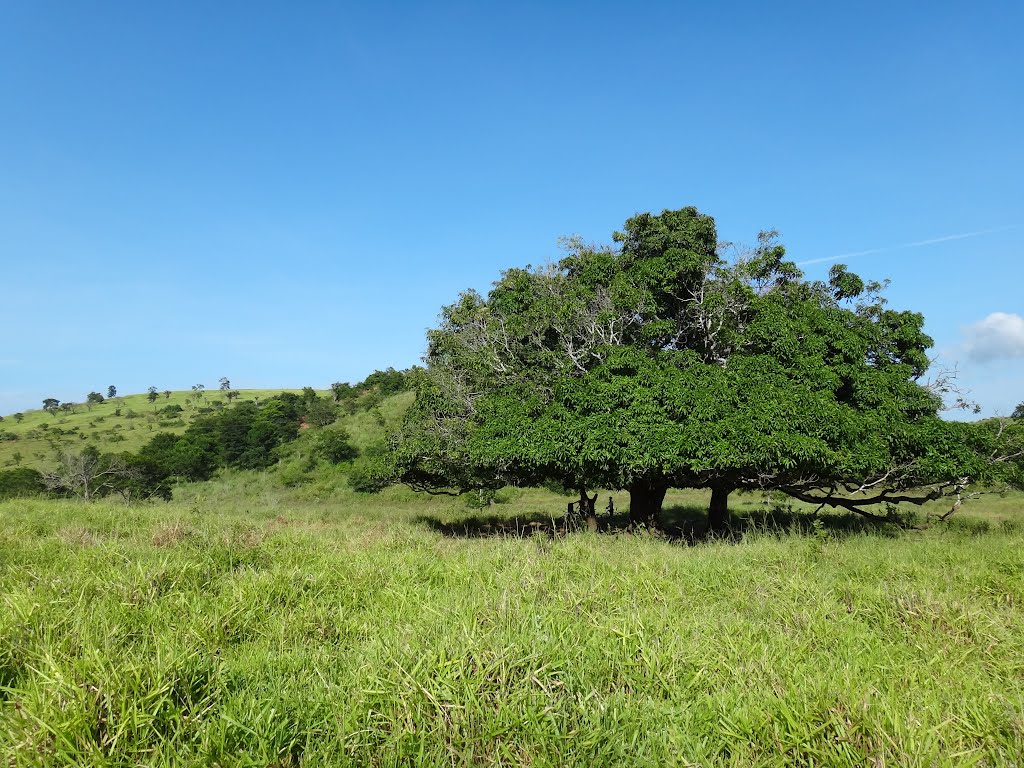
320 413
333 445
111 391
51 404
225 384
68 407
87 475
93 398
387 382
167 394
78 473
137 478
231 394
1018 412
21 482
340 390
197 391
245 437
308 394
151 394
19 417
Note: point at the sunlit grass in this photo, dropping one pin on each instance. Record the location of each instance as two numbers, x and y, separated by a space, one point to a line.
245 624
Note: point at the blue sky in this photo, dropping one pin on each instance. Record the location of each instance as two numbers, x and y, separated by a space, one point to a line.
286 193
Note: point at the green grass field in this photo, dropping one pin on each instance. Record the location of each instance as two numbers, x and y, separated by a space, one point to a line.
248 624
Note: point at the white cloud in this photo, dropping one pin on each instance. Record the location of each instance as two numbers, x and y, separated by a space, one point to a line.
1000 335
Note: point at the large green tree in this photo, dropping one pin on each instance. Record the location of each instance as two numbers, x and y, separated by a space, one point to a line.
661 364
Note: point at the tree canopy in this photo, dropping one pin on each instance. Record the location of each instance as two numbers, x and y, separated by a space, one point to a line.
659 363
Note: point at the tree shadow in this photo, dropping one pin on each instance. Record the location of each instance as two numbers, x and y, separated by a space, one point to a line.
691 523
795 521
682 524
486 526
685 522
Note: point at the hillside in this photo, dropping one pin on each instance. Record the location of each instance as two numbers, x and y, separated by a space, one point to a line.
126 423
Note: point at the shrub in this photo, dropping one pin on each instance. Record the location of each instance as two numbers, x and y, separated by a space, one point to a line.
368 476
333 446
293 474
22 481
320 413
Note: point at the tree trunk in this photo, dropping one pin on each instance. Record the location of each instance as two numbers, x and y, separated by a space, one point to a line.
645 501
718 510
587 509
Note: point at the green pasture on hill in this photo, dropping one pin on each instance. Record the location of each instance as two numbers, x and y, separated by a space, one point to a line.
249 624
39 431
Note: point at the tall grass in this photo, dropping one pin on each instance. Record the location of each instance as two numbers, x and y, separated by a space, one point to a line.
249 625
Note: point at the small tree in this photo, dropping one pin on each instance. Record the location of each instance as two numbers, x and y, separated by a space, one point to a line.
51 404
167 394
340 390
1018 412
21 482
111 391
135 478
197 391
231 394
333 446
151 394
88 475
19 417
78 473
93 398
320 413
225 384
17 458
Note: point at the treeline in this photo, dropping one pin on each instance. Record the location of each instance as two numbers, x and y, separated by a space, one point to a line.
245 435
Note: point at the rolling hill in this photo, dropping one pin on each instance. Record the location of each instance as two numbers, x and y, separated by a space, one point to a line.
128 422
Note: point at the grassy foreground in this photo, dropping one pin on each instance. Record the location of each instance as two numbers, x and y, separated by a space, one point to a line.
248 625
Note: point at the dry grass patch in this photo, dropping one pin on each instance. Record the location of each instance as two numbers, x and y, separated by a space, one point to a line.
172 534
78 536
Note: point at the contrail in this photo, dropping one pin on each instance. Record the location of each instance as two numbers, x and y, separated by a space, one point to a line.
916 244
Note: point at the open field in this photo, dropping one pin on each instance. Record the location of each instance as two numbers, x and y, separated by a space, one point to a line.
246 624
